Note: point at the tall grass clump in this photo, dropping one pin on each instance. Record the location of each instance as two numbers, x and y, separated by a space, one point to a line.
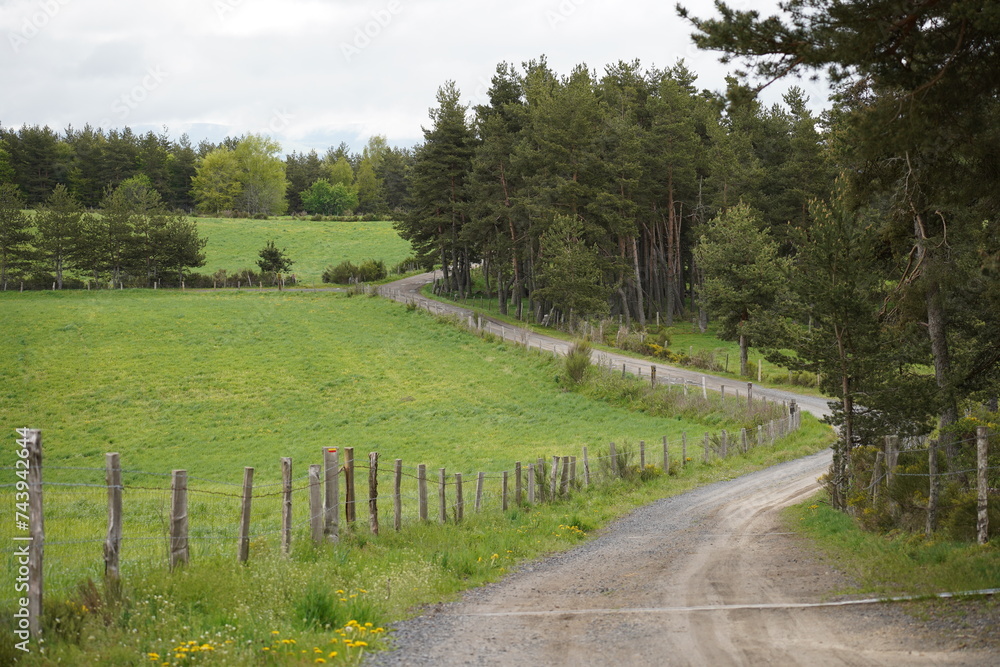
668 401
578 361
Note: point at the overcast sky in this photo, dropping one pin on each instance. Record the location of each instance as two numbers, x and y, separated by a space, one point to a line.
311 73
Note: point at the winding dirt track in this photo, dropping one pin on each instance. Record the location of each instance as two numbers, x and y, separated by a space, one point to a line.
705 578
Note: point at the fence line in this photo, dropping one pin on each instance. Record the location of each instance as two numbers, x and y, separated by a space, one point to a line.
180 521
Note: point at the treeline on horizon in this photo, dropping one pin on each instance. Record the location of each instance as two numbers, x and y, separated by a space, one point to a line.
90 162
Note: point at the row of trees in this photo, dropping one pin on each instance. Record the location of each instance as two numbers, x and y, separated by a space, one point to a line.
899 270
135 240
246 175
583 193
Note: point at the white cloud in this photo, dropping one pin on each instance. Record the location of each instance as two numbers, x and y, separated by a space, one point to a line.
233 66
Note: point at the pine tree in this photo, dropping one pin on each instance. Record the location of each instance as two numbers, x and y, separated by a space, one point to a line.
918 85
15 231
745 278
438 198
59 227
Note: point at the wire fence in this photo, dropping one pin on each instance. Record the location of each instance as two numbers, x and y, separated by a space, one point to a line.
907 481
80 540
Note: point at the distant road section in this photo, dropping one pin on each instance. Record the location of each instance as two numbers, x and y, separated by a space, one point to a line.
407 290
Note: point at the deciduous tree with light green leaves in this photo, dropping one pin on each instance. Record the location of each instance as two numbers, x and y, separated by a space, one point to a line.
216 183
249 178
323 197
261 175
745 278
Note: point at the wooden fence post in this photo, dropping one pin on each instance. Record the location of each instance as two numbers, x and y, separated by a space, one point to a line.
760 435
316 502
422 491
652 375
518 488
373 492
705 447
877 476
459 499
554 480
480 479
933 493
572 472
642 455
397 497
178 519
564 481
531 483
744 443
331 473
350 499
684 448
286 504
725 443
113 542
503 492
586 467
36 527
890 458
982 462
243 552
749 395
613 456
442 496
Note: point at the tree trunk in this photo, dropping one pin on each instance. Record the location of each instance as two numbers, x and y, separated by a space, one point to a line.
937 331
638 284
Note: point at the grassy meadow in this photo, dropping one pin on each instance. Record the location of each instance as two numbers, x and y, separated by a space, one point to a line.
240 378
214 381
233 244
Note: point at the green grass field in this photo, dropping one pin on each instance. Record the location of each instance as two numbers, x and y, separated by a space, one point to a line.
233 244
214 381
241 378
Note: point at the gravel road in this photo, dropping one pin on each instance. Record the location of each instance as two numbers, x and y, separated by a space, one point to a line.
709 577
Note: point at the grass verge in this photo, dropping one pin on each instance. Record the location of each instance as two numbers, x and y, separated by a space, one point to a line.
900 564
